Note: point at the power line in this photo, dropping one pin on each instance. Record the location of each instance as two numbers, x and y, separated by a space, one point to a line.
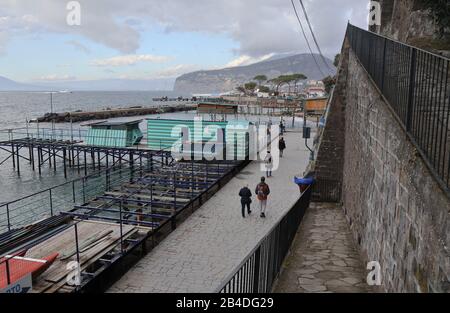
314 36
306 38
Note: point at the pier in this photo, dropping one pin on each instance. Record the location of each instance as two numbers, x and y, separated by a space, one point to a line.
80 116
68 149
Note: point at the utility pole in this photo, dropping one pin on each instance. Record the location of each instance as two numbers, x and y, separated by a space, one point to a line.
307 132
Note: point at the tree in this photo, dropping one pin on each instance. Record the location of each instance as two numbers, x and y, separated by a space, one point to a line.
251 86
240 89
288 79
297 78
260 79
329 82
264 89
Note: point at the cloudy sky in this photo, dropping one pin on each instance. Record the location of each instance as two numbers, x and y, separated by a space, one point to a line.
146 39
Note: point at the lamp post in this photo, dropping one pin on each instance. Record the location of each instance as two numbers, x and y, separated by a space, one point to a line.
51 113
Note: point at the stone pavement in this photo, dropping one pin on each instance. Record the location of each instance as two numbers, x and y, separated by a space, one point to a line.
323 256
207 247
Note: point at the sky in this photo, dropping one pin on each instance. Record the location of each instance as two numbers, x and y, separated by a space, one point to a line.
157 39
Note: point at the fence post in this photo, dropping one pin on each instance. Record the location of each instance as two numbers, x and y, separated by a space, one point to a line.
73 192
121 229
383 68
8 217
412 78
84 191
8 274
256 271
77 246
174 217
51 202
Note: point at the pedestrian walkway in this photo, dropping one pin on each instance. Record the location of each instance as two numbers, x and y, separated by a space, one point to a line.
208 246
323 256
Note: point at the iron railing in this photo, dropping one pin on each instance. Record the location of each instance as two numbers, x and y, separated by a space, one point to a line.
416 84
51 201
326 190
258 271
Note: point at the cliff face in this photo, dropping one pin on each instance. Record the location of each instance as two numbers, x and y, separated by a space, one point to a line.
217 81
412 22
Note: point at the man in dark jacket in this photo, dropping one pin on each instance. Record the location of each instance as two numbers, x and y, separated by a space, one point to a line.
281 146
246 199
262 191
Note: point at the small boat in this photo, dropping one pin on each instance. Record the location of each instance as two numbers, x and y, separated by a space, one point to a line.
20 266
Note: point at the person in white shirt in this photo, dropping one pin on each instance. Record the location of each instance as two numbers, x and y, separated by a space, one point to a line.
269 164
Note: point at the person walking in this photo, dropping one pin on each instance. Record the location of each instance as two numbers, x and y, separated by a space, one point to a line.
269 164
262 191
281 127
246 199
281 146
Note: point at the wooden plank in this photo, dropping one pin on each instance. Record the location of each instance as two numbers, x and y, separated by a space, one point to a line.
66 240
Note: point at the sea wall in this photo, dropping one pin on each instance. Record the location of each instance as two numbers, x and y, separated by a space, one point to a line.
81 116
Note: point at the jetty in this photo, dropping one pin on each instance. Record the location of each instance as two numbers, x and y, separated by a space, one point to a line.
81 116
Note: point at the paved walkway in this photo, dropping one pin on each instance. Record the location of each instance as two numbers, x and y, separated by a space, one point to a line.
323 256
205 249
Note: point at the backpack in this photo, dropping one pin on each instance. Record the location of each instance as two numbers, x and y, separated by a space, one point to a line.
262 191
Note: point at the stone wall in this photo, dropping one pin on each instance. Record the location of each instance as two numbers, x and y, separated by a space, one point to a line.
329 161
410 21
398 214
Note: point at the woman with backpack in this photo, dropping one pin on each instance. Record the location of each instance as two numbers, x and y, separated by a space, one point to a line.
262 191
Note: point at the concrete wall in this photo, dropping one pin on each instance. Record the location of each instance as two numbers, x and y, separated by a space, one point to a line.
398 214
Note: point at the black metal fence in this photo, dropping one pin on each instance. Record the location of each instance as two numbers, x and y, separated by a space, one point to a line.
326 190
258 271
416 83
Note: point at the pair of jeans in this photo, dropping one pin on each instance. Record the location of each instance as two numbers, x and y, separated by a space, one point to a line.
268 173
262 205
244 204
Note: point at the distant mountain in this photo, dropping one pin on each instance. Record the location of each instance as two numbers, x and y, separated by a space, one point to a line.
217 81
10 85
90 85
114 85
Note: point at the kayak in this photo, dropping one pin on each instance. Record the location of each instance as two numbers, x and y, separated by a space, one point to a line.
20 266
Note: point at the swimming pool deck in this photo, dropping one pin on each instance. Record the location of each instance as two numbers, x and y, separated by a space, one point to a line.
207 247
